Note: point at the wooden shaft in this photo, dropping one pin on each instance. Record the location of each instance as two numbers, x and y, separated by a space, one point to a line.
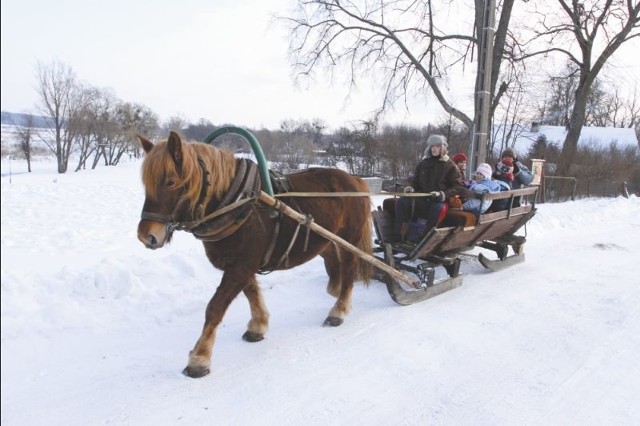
302 219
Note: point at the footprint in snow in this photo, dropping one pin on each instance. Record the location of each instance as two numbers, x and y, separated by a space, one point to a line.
607 246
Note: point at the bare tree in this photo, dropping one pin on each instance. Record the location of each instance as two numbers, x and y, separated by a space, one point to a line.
512 117
408 44
608 105
175 123
588 33
367 146
25 138
61 100
198 131
90 125
318 126
400 149
618 110
561 88
133 118
295 147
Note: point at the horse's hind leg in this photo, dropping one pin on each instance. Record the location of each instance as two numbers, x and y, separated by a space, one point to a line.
259 322
233 281
343 266
334 270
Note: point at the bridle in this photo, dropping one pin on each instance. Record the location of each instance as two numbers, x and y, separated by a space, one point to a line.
169 220
244 189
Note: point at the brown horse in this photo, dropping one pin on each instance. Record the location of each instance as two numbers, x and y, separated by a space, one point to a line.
207 191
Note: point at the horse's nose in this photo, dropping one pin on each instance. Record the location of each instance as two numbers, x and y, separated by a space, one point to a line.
152 234
150 241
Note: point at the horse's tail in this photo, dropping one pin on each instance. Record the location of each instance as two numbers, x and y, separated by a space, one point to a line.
365 243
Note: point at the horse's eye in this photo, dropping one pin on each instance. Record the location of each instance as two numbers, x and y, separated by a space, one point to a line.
170 182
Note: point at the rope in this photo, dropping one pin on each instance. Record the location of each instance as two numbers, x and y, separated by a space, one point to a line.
354 194
214 214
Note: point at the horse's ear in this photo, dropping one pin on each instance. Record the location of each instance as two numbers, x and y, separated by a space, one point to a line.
175 147
147 145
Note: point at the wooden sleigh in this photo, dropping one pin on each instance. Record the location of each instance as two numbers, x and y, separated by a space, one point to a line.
444 246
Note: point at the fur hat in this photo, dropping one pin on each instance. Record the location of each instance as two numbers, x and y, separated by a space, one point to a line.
436 140
510 152
485 170
459 158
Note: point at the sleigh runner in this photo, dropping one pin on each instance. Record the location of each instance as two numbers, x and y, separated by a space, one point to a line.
246 229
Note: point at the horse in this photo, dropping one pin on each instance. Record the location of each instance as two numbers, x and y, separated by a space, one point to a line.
207 191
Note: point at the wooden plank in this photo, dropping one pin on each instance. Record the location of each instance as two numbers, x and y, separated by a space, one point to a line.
530 190
383 225
503 214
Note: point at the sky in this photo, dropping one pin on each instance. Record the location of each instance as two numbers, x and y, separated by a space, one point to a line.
96 329
225 61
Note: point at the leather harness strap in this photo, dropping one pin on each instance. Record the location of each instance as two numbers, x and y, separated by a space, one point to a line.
235 208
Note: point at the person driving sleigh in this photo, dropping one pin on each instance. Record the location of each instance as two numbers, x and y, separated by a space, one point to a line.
436 174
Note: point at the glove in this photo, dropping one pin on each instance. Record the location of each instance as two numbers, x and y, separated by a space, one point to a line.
503 168
409 189
439 196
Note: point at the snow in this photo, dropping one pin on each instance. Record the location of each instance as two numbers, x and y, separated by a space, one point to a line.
96 329
590 136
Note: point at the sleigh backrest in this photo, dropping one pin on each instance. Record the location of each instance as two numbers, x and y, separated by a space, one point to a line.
488 226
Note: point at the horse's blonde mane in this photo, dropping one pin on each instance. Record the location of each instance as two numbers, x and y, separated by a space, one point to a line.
159 166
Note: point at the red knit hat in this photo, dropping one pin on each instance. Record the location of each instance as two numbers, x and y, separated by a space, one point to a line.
459 157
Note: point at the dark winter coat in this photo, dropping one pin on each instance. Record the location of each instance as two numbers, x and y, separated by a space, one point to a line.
439 174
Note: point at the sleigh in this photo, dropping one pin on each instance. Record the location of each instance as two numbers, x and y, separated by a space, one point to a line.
461 234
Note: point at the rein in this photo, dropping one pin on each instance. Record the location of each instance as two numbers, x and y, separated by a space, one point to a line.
352 194
243 192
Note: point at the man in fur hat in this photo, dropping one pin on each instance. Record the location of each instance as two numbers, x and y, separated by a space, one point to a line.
436 173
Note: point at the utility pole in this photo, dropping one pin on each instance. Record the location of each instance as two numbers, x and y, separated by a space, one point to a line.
479 138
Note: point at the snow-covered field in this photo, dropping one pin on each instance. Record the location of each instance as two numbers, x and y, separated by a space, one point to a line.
96 329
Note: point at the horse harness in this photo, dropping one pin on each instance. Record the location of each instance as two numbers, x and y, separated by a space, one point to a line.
233 210
235 207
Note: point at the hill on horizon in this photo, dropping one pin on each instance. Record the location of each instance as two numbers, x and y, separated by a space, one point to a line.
21 119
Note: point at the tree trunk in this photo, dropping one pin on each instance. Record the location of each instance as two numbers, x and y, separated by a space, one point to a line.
570 147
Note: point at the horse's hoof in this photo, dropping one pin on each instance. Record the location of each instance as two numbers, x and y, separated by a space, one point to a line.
251 336
333 321
195 372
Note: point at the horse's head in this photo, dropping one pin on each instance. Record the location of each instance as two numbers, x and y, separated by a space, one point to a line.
164 182
181 181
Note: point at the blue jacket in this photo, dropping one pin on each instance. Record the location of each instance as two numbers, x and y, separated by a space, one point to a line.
479 188
522 175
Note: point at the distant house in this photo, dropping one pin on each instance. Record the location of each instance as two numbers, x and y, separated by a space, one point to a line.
521 138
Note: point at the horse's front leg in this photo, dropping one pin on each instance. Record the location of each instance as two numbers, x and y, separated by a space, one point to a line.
259 322
200 356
